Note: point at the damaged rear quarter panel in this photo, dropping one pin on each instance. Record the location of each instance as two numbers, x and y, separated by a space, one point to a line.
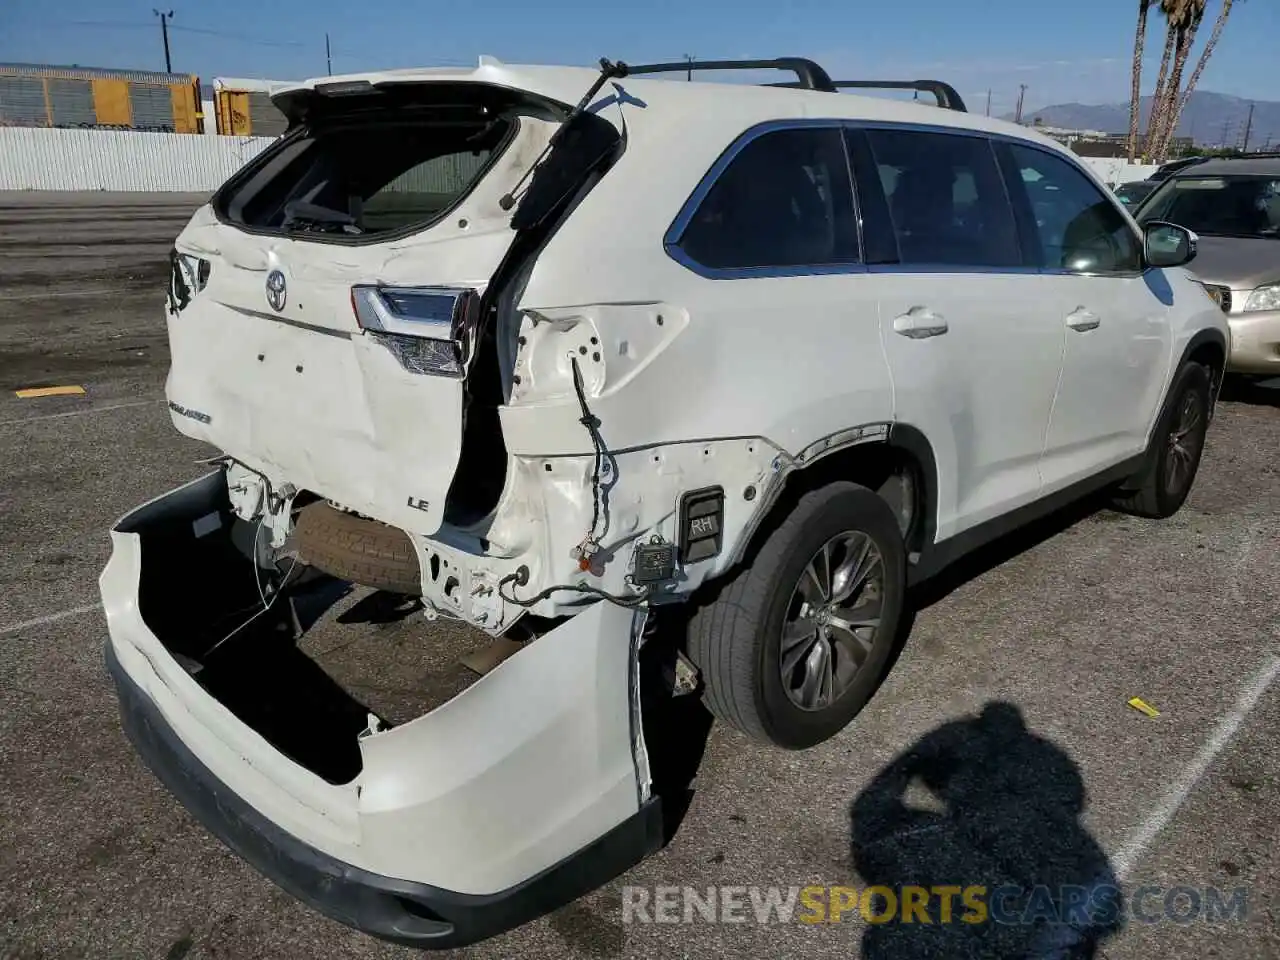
682 372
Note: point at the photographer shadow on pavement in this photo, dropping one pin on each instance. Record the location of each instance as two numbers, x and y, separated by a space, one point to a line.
977 826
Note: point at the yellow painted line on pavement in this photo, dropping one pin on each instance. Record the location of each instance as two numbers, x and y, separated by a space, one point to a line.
32 393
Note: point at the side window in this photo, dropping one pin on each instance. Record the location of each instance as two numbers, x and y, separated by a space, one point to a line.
785 200
946 199
1079 227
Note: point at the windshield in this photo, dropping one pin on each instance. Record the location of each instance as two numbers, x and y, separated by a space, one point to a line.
1231 206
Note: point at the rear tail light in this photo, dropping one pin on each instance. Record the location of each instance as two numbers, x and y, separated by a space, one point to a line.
429 330
188 275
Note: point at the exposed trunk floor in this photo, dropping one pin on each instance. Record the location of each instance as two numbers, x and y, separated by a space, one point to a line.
386 653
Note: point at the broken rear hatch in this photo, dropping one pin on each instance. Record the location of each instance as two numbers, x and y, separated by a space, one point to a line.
329 303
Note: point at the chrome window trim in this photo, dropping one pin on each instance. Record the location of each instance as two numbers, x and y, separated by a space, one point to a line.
942 269
853 189
671 239
1098 274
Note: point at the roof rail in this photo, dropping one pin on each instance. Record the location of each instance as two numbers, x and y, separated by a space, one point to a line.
809 75
946 94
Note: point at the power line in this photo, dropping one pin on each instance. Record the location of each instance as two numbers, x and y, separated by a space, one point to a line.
180 28
108 24
239 38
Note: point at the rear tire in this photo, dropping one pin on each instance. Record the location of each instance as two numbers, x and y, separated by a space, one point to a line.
1177 445
357 549
738 641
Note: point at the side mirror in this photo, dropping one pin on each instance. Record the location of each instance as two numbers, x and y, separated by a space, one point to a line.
1167 244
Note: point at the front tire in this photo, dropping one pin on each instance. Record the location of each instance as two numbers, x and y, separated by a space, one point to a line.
1177 444
793 646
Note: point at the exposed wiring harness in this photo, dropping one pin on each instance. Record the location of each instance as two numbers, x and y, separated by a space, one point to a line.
521 577
590 543
592 425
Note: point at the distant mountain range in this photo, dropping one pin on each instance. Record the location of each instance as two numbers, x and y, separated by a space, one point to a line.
1212 119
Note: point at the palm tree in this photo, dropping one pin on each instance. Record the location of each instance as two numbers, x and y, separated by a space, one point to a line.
1135 91
1193 16
1206 53
1172 12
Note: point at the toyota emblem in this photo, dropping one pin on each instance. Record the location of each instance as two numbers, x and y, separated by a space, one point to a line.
277 290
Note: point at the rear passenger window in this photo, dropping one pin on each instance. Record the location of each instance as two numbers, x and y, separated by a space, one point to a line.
1079 228
784 201
946 199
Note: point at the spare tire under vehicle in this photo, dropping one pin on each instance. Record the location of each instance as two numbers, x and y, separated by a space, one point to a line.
355 548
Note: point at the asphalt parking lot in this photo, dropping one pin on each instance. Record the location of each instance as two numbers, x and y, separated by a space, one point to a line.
1064 625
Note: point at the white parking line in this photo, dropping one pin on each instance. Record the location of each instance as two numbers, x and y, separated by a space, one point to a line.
51 618
1159 818
80 413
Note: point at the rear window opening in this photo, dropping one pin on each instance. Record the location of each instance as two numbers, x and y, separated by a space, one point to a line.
367 179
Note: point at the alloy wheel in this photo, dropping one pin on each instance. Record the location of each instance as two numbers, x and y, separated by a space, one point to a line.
832 620
1185 441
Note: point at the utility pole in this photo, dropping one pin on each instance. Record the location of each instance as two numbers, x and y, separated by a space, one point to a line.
1022 92
688 74
1248 125
988 102
328 55
1226 125
164 33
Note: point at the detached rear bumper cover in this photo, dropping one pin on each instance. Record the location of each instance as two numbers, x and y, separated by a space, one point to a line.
415 914
522 793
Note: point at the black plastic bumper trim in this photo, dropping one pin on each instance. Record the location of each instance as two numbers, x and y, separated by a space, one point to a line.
400 911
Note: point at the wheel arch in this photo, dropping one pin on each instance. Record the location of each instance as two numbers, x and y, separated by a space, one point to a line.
1208 347
869 463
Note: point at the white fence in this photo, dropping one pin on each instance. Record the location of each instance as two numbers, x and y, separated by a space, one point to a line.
1117 171
35 158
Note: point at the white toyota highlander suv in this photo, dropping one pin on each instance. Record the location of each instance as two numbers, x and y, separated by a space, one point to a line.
563 349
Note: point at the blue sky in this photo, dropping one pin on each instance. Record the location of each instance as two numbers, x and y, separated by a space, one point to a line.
1071 52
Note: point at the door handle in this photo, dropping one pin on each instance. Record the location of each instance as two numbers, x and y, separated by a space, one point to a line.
1082 319
919 323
